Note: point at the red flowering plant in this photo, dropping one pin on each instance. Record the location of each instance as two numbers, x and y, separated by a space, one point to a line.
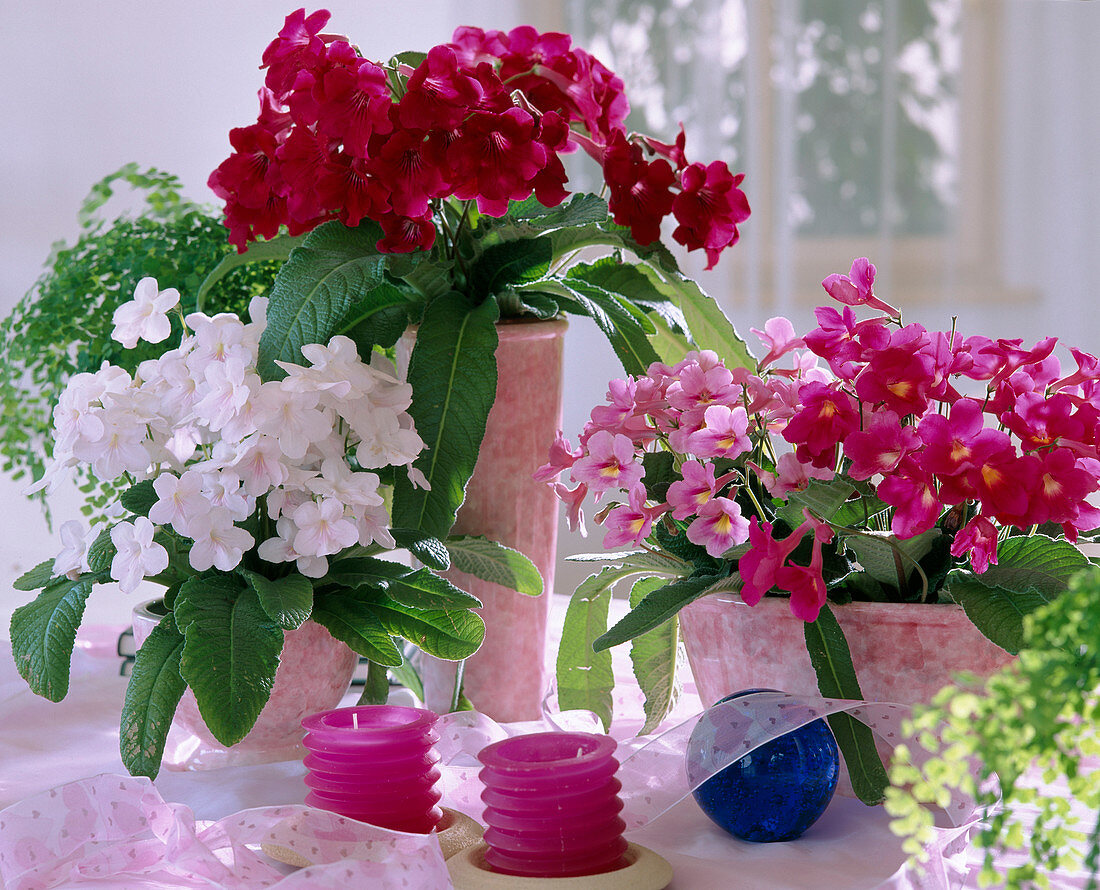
867 460
430 190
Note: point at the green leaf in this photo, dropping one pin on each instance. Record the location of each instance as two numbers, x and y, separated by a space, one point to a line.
493 562
152 696
333 268
628 338
825 499
877 553
657 607
258 251
453 375
585 677
43 633
637 287
287 601
513 262
581 209
39 576
379 318
139 498
709 327
660 473
654 658
230 655
406 675
528 302
452 634
350 618
415 588
996 611
1033 562
101 552
430 551
376 689
836 678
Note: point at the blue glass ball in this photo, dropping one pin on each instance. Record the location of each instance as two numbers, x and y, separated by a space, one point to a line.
778 790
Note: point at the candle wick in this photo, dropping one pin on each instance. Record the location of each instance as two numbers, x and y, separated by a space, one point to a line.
355 719
580 751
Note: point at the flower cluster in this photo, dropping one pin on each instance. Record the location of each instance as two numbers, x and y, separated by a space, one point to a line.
886 419
230 457
484 118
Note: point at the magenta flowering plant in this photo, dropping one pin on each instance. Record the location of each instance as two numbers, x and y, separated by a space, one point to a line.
866 460
429 189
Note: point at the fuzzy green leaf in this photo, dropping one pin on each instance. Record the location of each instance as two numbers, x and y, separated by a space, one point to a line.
836 678
585 678
493 562
230 655
287 601
152 696
453 375
1033 562
430 551
277 249
414 588
335 267
350 618
379 318
101 552
139 498
996 611
406 675
452 634
658 606
513 262
376 689
654 657
36 578
628 338
43 633
877 553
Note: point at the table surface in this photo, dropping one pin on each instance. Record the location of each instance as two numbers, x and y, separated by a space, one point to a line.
44 745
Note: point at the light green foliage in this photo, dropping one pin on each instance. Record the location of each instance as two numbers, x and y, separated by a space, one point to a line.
1038 717
63 324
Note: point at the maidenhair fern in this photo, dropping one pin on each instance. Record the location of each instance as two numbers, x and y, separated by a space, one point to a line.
1031 734
63 324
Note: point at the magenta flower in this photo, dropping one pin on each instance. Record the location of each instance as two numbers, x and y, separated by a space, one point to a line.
609 463
857 288
1063 485
687 495
829 415
901 374
1003 479
949 441
880 446
790 475
724 433
758 567
806 584
718 526
978 539
562 457
1040 421
631 523
912 492
779 337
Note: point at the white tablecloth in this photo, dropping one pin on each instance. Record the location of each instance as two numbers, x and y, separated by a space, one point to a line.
44 745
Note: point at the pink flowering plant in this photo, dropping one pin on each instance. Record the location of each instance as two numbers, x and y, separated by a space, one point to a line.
254 504
866 460
430 189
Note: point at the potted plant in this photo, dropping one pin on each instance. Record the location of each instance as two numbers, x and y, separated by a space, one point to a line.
257 506
1021 746
825 493
429 191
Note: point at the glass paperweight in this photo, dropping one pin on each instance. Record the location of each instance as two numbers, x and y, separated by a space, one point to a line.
776 791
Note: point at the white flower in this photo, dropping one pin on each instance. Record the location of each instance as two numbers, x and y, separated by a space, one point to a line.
323 528
74 546
384 441
336 370
179 500
218 542
218 339
137 555
338 481
260 464
146 316
292 418
225 389
223 489
372 524
280 549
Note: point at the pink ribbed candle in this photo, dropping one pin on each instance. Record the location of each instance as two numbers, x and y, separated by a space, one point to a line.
376 764
552 805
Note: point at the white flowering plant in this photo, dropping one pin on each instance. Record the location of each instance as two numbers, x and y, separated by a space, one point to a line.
256 504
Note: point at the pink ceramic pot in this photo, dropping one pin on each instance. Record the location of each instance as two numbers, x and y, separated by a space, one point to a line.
506 678
902 652
314 673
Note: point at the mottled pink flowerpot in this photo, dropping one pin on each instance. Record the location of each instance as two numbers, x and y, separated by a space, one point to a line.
902 652
314 673
506 678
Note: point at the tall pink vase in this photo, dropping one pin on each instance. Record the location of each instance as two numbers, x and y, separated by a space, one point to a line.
506 678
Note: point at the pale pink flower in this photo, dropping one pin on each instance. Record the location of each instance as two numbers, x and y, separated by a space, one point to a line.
218 339
724 434
260 464
609 462
372 523
791 475
223 488
218 542
137 555
224 390
631 523
780 338
688 494
719 526
146 316
291 418
573 498
385 439
322 528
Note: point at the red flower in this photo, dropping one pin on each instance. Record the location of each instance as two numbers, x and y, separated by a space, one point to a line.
404 234
495 159
640 192
709 208
440 92
413 169
298 46
348 184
